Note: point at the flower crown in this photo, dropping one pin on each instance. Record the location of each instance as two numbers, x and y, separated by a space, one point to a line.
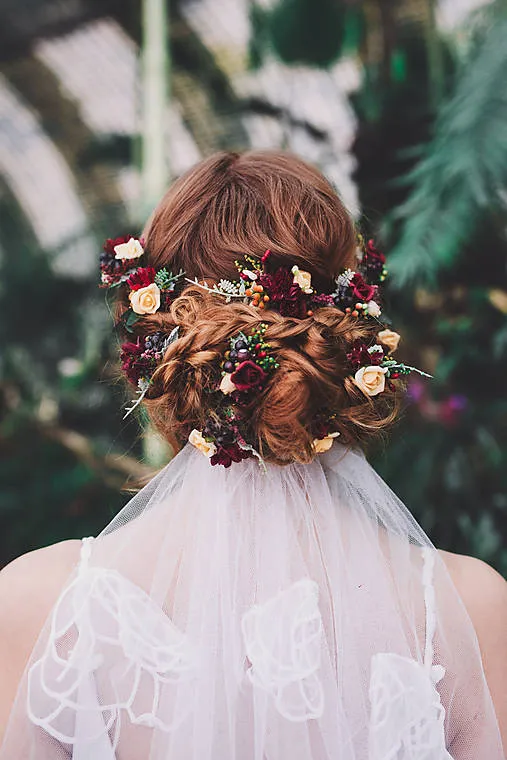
248 364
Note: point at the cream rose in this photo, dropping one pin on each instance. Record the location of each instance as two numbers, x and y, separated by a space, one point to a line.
197 439
390 339
371 380
373 309
132 249
227 386
303 279
145 300
320 445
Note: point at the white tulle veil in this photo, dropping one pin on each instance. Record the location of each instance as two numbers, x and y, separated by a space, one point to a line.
297 613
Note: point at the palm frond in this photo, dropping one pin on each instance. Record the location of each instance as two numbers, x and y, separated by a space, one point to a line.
464 170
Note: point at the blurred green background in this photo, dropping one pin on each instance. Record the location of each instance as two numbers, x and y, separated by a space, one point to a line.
402 104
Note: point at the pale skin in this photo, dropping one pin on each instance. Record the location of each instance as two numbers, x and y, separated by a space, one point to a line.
30 585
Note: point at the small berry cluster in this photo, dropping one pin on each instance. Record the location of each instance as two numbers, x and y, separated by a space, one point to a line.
252 347
245 370
247 364
140 359
248 272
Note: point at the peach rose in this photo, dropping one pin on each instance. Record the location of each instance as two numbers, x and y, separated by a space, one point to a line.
132 249
390 339
320 445
303 279
227 386
197 439
371 380
145 300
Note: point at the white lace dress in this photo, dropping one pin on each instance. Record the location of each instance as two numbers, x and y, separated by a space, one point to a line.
275 616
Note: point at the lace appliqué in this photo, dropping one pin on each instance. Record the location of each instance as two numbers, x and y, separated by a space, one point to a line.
283 640
103 617
407 716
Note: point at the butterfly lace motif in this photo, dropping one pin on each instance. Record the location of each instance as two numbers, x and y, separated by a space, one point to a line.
102 616
283 640
407 716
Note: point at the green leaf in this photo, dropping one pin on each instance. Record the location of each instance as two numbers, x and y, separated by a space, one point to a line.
131 320
456 184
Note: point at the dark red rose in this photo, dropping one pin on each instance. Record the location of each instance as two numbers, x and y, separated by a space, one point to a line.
358 355
248 375
228 454
285 294
372 254
141 278
361 290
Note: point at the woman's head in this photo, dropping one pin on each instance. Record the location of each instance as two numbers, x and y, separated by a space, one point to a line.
227 207
232 204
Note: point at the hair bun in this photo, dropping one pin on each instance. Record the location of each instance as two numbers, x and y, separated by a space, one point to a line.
312 379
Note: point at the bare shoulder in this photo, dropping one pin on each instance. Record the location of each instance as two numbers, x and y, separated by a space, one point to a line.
483 590
30 584
29 587
484 594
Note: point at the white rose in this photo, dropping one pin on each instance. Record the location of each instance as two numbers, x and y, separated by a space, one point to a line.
197 439
320 445
145 300
373 309
389 338
371 380
132 249
303 279
227 386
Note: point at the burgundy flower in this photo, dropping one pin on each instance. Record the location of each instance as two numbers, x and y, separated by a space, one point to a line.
373 262
141 278
321 299
376 357
285 293
112 269
361 290
358 355
320 427
372 254
248 375
135 362
228 454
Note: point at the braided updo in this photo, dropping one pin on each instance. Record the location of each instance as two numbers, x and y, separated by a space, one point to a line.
227 206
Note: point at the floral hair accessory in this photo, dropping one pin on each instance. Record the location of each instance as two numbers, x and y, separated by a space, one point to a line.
246 368
325 430
247 364
139 361
320 445
132 249
149 290
374 367
289 290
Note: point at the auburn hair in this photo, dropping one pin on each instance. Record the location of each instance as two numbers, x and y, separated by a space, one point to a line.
227 206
